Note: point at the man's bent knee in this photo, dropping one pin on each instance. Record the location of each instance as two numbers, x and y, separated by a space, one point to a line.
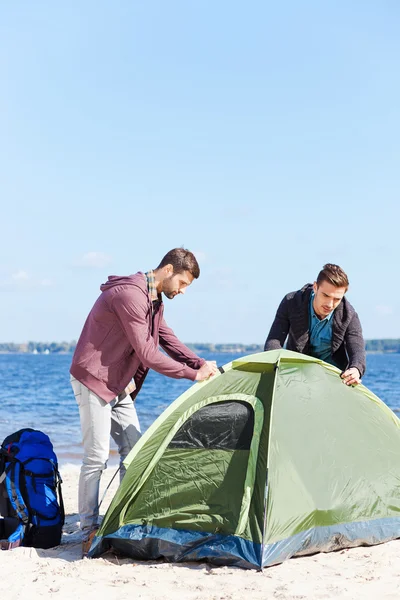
94 463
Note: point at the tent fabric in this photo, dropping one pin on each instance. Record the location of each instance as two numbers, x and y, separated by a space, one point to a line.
272 458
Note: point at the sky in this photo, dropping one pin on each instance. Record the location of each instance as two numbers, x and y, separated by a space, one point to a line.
263 136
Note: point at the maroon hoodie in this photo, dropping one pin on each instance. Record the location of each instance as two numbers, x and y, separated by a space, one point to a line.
121 339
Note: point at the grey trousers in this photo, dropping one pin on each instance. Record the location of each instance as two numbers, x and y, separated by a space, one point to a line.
99 420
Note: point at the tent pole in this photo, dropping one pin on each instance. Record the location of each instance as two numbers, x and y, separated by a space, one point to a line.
112 479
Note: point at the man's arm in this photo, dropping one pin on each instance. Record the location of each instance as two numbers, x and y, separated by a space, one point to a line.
355 347
181 353
177 349
131 310
279 329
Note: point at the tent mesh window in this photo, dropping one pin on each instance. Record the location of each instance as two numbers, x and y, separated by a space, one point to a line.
217 426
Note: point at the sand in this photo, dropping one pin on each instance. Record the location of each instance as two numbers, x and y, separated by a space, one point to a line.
368 572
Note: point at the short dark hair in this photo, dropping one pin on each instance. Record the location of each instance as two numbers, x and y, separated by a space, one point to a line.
181 260
334 275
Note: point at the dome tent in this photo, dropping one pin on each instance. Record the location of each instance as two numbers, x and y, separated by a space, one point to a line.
275 457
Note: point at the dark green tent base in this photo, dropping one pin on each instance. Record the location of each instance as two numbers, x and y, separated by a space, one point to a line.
151 543
332 538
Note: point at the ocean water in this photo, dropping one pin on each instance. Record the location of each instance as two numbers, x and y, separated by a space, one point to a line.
35 392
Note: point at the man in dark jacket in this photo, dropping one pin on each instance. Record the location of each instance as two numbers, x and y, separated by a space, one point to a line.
319 321
118 345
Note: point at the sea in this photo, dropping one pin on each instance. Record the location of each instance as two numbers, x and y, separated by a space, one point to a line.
35 392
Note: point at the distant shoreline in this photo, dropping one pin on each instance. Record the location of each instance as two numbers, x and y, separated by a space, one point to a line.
386 346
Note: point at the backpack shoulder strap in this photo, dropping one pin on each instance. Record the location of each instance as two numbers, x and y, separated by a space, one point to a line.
12 483
2 465
60 496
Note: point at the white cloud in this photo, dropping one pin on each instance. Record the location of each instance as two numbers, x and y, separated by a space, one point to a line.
21 279
94 260
384 310
20 276
46 282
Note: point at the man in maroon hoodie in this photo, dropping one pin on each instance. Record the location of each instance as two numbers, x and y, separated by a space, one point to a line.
119 343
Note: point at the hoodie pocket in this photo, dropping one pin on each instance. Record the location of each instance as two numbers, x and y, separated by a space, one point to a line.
117 372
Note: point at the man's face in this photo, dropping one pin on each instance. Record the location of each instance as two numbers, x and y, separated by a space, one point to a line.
173 285
327 298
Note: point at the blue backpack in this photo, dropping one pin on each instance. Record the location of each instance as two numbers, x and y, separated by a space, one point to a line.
31 504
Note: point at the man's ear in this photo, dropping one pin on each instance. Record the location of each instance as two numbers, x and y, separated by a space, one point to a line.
315 287
168 270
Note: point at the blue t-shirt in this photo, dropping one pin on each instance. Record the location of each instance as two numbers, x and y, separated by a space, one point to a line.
320 335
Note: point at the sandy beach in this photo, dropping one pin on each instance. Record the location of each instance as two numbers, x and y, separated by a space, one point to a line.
367 572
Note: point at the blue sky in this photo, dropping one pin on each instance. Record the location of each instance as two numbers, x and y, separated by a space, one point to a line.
264 136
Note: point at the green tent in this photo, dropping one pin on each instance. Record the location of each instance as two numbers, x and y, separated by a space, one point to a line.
274 457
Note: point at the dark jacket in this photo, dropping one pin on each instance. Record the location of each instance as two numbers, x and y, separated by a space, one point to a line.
120 340
292 322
